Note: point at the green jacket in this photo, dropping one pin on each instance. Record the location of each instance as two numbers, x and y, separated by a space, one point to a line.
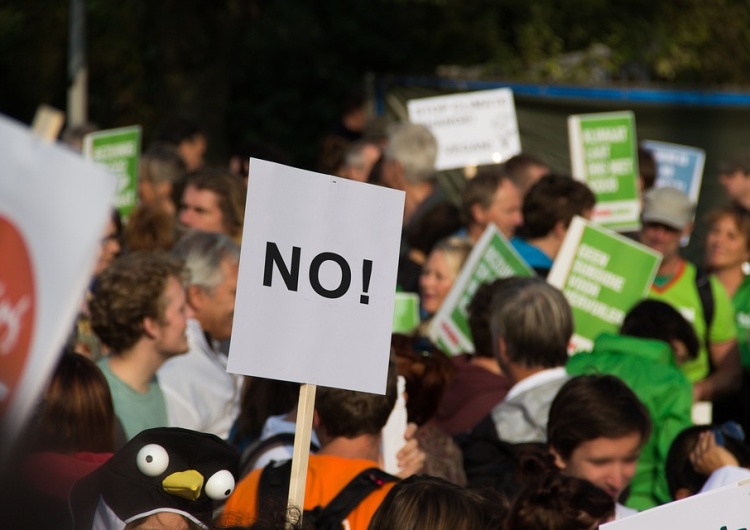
648 368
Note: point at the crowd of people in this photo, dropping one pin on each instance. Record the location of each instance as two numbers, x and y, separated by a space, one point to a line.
141 425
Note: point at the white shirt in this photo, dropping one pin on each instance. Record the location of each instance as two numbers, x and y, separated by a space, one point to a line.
199 393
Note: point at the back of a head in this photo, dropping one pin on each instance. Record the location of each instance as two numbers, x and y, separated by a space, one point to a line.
647 167
422 502
203 253
426 372
553 199
150 228
161 163
535 321
557 502
436 224
230 191
653 319
348 414
128 291
415 148
76 412
480 312
520 169
681 475
594 406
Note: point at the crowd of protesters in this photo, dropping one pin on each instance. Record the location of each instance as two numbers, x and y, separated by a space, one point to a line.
516 434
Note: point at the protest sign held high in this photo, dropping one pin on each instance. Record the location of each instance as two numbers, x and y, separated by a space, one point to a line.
117 151
602 274
492 257
603 153
678 166
471 129
317 279
50 234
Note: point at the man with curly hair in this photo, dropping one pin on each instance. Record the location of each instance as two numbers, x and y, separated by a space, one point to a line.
140 311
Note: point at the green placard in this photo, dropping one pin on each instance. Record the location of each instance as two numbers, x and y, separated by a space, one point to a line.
491 258
603 275
405 313
118 152
603 152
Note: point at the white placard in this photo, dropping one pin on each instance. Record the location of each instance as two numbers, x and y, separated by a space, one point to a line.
317 279
471 129
53 209
722 509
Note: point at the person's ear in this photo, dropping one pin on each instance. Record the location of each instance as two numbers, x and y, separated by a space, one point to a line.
559 230
150 327
559 461
687 230
478 214
196 296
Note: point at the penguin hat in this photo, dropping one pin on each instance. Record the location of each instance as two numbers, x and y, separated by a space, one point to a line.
166 469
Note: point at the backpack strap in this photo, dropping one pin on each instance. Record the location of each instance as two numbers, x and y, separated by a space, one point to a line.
706 295
357 490
273 491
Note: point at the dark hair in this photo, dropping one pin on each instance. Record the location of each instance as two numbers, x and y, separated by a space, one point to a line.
435 225
594 406
653 319
150 228
679 470
647 167
558 502
76 413
517 168
739 215
346 413
230 192
423 502
480 311
535 321
481 189
262 398
552 199
427 374
129 290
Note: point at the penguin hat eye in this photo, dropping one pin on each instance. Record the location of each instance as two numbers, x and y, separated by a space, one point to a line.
152 460
220 485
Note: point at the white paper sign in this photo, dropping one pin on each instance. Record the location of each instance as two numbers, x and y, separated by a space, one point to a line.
723 509
317 279
53 209
471 129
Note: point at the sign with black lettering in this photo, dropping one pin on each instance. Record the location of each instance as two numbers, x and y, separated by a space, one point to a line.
317 280
471 128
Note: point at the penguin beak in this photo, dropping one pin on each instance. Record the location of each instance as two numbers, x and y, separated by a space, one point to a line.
185 484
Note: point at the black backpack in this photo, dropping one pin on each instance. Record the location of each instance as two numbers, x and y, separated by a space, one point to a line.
273 491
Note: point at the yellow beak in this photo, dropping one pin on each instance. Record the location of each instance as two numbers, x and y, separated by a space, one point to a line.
185 484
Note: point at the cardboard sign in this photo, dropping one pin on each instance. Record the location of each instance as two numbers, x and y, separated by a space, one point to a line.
604 154
492 257
317 279
722 509
603 275
678 166
471 129
53 209
118 151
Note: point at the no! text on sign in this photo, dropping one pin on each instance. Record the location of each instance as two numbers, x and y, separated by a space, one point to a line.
317 279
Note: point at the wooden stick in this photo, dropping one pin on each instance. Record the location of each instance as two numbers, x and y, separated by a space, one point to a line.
302 435
48 122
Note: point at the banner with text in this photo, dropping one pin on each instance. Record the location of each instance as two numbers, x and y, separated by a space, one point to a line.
118 151
603 275
471 129
54 206
317 279
491 258
678 166
603 153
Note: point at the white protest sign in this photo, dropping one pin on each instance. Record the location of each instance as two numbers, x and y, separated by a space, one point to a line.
678 166
471 129
722 509
317 279
53 209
